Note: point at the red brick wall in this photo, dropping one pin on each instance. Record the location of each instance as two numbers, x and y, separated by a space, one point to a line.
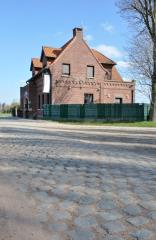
111 90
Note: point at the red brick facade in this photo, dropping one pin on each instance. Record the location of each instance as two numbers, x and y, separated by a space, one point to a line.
106 85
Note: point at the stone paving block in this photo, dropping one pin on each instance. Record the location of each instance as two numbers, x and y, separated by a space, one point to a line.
82 234
86 200
139 190
85 221
57 236
59 192
143 234
106 204
133 210
146 197
149 205
72 196
114 227
58 227
42 196
106 188
85 210
113 238
42 216
126 200
53 200
152 215
61 215
67 206
110 215
138 221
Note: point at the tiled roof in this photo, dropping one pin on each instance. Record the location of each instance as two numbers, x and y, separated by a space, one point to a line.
101 58
115 74
55 52
51 52
36 63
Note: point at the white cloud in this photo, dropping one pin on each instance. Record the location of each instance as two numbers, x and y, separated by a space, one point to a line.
124 64
127 79
84 26
88 37
107 27
109 51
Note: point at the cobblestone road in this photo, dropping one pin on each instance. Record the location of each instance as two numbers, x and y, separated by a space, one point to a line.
61 182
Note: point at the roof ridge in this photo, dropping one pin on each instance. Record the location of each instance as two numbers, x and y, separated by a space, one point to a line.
51 47
36 62
37 58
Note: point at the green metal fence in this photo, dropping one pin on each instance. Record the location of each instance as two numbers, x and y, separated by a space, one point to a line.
105 112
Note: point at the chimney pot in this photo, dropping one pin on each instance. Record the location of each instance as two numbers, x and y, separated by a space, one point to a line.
78 32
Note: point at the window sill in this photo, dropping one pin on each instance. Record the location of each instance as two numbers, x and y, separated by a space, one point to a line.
90 77
65 75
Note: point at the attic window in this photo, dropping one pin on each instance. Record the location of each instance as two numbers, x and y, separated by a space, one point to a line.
66 69
90 71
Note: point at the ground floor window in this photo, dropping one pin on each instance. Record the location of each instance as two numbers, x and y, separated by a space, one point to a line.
88 98
48 98
42 99
118 100
39 102
132 97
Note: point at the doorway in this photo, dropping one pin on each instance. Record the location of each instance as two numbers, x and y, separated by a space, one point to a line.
88 98
118 100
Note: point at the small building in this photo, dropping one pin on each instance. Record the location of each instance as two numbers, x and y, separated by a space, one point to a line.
73 74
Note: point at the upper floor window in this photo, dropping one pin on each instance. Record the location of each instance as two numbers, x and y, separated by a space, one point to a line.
90 71
109 74
66 69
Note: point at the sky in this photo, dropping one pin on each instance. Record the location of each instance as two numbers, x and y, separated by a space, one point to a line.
26 26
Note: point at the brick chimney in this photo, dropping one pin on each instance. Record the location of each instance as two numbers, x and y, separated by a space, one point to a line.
78 32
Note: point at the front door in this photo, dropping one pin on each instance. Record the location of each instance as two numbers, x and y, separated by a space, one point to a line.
26 107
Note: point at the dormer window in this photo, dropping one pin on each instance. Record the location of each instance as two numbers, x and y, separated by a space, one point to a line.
36 66
90 71
65 69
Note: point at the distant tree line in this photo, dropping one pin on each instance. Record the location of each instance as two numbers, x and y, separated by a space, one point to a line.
8 108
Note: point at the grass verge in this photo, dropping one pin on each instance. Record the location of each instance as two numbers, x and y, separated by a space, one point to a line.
3 115
100 123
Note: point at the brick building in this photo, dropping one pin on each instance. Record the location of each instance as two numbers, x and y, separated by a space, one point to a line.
73 74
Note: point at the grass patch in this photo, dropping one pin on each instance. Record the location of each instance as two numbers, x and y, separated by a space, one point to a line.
3 115
101 123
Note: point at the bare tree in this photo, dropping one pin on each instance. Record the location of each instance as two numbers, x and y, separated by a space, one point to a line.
141 64
141 14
